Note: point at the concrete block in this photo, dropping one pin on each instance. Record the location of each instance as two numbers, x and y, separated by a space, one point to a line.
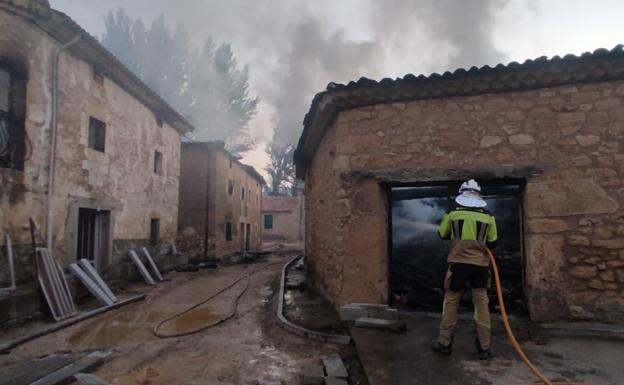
335 381
269 382
353 311
313 374
378 323
334 366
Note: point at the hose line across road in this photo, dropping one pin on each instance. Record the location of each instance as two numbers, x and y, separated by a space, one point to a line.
247 276
512 338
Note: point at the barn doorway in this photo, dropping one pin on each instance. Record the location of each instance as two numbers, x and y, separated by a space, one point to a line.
418 255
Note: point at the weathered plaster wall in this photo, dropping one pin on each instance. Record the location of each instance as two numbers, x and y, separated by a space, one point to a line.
232 208
574 211
204 176
286 226
120 179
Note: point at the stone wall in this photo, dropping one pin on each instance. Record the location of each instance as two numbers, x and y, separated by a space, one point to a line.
566 142
204 177
120 179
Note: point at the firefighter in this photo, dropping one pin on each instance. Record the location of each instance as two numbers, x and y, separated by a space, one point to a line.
469 227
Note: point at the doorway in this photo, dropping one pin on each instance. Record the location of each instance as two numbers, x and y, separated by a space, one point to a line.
248 237
418 255
93 237
242 237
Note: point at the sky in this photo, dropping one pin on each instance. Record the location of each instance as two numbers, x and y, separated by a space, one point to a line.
295 47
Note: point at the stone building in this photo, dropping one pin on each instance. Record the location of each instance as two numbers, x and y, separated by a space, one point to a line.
75 122
220 198
282 218
382 160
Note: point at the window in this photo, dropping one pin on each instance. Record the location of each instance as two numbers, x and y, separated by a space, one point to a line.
97 134
268 222
158 160
230 187
228 231
230 162
154 230
12 109
242 193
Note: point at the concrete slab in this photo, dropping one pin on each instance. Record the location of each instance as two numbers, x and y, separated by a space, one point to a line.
407 359
334 367
335 381
377 323
353 311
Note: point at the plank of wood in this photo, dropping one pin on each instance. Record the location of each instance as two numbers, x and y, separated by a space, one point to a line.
334 366
152 264
32 371
66 374
137 262
91 272
89 379
90 284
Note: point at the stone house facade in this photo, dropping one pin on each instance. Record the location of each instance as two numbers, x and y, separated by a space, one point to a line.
114 181
282 218
219 202
555 125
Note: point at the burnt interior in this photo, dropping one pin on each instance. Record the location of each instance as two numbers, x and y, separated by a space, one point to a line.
418 255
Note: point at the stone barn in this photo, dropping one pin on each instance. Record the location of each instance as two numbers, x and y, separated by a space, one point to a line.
382 161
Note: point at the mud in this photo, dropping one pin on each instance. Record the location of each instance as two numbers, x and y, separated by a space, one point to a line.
244 349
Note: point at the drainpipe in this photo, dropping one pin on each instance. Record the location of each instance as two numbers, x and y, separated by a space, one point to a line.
53 132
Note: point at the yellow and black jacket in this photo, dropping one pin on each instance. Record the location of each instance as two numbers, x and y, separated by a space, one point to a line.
469 229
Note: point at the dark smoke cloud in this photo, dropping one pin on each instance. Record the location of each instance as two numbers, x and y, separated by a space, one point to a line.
295 47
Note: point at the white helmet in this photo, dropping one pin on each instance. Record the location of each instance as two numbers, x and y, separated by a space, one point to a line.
470 185
470 195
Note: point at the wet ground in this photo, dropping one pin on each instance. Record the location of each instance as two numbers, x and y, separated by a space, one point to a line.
407 358
246 348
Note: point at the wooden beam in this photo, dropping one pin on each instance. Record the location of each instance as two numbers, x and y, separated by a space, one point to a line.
66 374
432 174
34 370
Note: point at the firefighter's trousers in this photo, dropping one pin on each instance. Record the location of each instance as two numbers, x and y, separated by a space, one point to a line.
454 284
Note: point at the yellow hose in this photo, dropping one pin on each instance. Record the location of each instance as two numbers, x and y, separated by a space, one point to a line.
512 338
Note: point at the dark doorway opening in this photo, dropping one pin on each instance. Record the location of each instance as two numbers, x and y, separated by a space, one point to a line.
418 255
247 237
93 237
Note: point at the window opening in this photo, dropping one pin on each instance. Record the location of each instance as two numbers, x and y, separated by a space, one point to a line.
12 110
158 163
154 231
228 231
268 222
230 187
97 134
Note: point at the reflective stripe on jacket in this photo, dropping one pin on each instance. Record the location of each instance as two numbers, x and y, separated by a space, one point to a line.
469 229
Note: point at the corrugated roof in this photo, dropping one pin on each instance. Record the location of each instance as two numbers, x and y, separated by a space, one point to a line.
278 204
590 67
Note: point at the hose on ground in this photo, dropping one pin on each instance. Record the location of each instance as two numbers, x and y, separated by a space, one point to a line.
512 338
231 314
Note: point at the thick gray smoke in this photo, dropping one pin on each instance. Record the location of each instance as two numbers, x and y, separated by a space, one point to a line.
295 47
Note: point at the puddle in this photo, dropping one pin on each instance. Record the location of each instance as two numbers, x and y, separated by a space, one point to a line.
149 376
192 320
137 327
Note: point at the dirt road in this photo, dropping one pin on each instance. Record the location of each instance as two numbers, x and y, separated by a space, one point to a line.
240 351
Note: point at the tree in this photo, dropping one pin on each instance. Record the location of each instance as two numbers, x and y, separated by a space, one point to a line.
281 169
204 85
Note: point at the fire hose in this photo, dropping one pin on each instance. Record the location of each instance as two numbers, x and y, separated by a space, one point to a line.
510 335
